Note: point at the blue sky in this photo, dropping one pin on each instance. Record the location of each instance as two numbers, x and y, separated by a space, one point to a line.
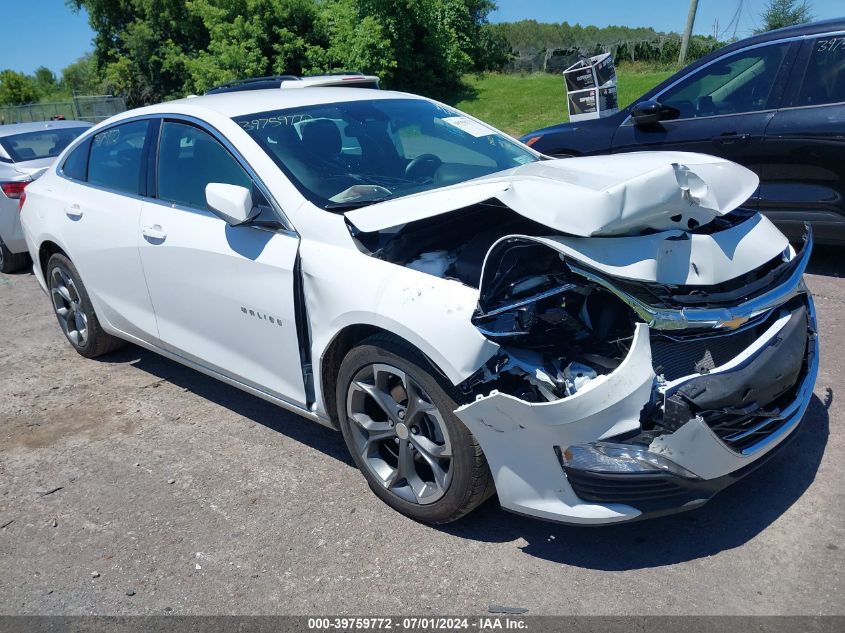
47 33
663 15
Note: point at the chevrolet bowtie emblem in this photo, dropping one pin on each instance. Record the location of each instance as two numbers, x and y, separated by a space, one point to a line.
734 323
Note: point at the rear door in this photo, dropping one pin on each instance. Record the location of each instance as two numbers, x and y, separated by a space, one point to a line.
722 108
99 223
804 174
223 295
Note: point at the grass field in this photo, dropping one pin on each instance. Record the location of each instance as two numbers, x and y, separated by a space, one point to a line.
517 104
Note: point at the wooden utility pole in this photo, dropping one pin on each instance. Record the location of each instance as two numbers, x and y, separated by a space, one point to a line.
693 8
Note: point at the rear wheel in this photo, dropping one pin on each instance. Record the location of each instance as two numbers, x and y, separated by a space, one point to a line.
11 262
398 423
74 311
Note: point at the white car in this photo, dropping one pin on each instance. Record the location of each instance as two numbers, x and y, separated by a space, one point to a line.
26 149
595 340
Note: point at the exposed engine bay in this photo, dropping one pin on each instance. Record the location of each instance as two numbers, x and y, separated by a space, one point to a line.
555 336
560 323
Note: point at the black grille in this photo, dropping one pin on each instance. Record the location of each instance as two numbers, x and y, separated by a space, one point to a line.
641 490
745 404
741 431
677 357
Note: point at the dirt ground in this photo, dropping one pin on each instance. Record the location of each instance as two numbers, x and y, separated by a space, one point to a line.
132 485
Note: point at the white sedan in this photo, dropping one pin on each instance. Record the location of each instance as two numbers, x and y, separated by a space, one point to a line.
594 340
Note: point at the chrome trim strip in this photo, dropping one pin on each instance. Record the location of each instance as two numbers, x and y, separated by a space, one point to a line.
204 126
684 318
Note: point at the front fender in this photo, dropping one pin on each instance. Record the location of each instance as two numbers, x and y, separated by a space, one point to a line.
430 313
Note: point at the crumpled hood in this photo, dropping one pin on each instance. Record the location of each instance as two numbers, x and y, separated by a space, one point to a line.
620 194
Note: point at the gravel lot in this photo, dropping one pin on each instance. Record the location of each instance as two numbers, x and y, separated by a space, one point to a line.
133 485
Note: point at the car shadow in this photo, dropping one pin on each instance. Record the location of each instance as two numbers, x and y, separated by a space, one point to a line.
827 260
730 519
244 404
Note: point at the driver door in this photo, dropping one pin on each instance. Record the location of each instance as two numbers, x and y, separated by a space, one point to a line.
223 295
721 109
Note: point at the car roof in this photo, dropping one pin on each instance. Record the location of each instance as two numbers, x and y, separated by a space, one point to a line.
810 28
234 104
21 128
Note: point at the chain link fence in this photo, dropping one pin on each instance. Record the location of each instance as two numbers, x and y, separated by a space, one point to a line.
662 50
91 108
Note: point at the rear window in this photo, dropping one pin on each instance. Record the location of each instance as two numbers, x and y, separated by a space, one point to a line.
824 81
114 161
76 164
40 144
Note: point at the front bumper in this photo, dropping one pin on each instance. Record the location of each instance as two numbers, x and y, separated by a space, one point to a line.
524 442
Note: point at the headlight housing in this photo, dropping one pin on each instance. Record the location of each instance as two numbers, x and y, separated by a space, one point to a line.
611 458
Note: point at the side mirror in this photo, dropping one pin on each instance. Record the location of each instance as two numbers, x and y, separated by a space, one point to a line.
231 202
646 113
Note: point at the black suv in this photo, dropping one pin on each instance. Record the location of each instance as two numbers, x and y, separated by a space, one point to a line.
774 103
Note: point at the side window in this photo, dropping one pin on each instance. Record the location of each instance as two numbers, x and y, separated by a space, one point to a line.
116 156
189 159
733 85
824 81
76 164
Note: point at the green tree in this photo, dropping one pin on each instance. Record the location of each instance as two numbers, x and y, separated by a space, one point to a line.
431 43
248 38
351 40
17 88
781 13
150 50
141 47
81 76
45 79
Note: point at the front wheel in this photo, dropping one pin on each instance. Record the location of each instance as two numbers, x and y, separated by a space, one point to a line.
398 423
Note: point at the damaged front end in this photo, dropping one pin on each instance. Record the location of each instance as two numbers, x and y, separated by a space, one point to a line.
615 398
655 341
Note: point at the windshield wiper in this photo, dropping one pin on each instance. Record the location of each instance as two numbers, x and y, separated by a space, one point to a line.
353 204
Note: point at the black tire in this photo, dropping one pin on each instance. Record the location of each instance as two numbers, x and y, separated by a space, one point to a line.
11 262
471 482
97 341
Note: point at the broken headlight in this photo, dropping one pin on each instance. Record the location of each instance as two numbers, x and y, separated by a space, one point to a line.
605 457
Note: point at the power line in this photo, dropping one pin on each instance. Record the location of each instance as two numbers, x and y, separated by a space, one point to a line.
735 20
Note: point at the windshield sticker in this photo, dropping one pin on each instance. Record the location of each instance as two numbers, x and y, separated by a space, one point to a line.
468 125
523 159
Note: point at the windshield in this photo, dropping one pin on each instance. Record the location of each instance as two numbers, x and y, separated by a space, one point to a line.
347 155
39 144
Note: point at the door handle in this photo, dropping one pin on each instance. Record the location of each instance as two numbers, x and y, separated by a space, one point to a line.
154 233
74 212
731 138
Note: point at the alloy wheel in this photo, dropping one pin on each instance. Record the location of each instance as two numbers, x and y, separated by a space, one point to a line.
399 433
68 306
